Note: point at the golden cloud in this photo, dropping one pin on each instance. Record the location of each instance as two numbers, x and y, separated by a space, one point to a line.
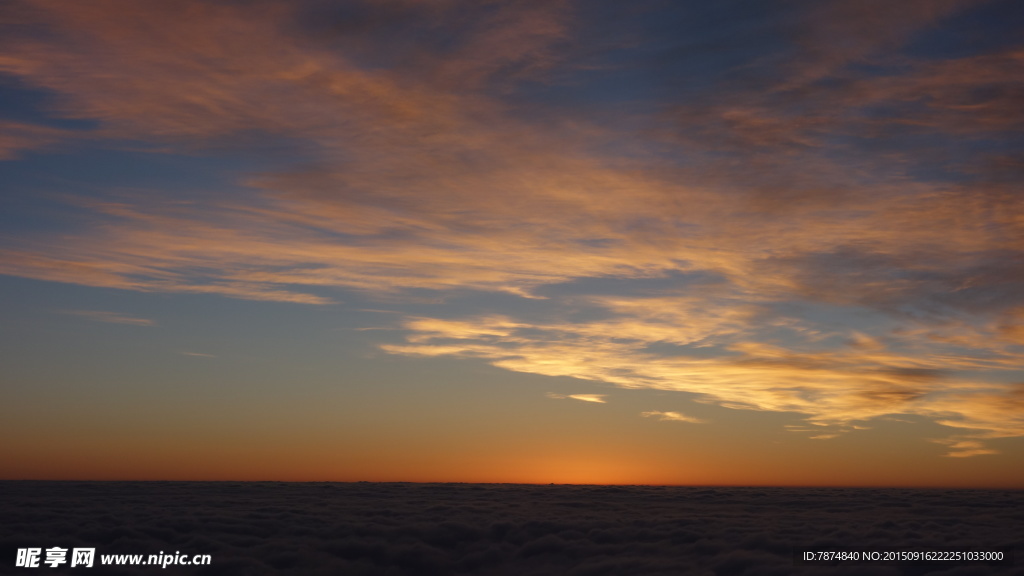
594 398
671 417
840 386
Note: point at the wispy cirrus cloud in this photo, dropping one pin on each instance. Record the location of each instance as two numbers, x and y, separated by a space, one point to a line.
111 317
19 137
960 448
415 177
594 398
671 417
839 380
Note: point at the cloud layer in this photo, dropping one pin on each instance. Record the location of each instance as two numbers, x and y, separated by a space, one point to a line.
501 529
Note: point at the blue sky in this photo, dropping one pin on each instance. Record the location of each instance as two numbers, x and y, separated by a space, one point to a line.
513 241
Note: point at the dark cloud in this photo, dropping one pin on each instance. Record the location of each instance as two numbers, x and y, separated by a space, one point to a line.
434 529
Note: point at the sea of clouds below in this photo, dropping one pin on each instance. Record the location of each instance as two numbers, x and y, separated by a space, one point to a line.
501 529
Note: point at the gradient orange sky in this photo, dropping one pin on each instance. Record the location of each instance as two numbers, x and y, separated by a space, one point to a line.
775 243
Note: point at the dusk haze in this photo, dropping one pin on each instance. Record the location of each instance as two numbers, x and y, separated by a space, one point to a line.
759 244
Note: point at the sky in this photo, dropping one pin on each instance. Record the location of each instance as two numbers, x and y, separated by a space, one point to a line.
689 243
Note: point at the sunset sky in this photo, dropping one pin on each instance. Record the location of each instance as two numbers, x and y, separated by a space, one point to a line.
645 242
